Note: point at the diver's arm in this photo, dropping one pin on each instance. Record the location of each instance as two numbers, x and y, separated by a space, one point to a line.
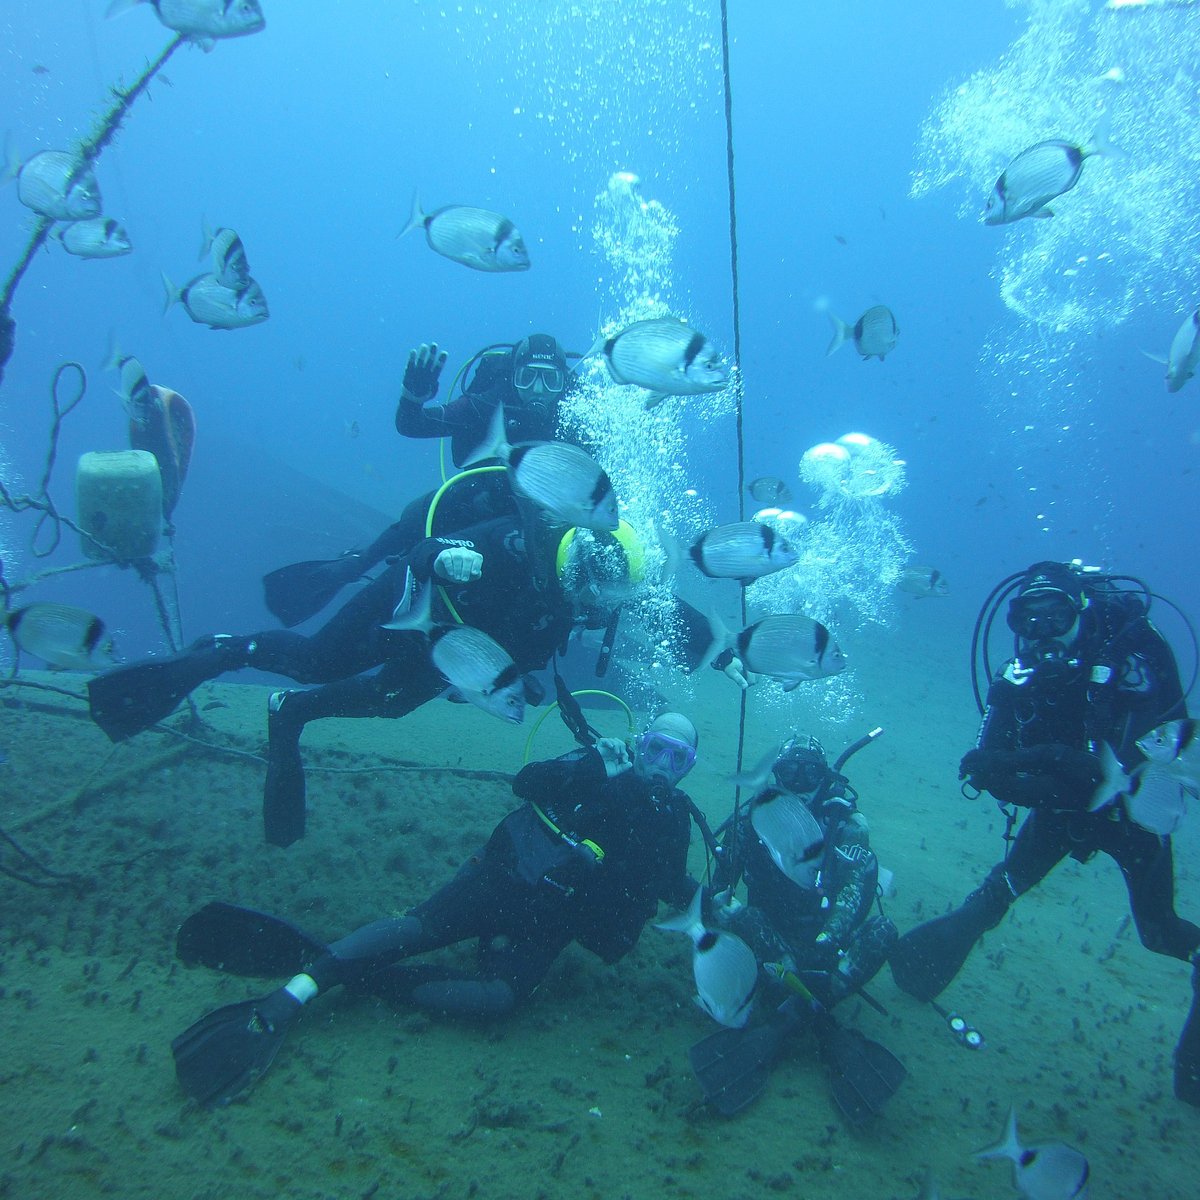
859 872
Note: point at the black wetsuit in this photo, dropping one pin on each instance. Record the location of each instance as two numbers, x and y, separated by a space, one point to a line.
530 891
1043 727
814 931
466 421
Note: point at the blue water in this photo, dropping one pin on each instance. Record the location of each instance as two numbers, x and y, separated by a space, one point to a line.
1031 424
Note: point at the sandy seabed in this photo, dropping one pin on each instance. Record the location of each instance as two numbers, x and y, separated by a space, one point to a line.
587 1091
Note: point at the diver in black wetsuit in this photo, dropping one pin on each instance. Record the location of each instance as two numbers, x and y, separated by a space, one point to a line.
527 598
528 379
601 838
807 912
1090 676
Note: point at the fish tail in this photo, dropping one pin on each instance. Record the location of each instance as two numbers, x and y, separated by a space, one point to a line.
416 218
413 612
494 444
841 331
1008 1146
112 360
722 639
173 293
686 922
1101 141
206 238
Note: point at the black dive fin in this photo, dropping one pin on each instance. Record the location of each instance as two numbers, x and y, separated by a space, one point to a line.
863 1075
225 1053
241 941
130 699
927 958
732 1066
298 591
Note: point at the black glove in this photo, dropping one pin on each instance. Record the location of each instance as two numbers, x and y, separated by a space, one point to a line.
1050 774
422 373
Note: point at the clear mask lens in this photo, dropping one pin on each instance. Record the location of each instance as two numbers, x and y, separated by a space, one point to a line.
659 750
529 375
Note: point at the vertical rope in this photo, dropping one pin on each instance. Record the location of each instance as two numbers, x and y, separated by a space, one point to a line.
737 331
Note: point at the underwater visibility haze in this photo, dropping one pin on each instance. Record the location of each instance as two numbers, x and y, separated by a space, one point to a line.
913 290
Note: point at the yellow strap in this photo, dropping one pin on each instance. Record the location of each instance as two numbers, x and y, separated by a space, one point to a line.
592 846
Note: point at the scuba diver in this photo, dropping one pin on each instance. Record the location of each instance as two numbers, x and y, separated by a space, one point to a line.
528 379
802 848
1089 676
519 582
602 836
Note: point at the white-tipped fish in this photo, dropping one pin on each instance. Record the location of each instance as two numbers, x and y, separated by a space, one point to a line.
54 183
723 966
201 19
209 302
874 334
1035 177
744 550
475 665
1053 1171
664 355
60 635
769 489
791 834
481 240
788 647
1183 359
97 237
923 581
230 265
567 484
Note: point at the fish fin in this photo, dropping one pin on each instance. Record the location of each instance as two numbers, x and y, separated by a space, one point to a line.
841 332
416 218
791 687
494 444
413 612
1161 359
112 361
1042 214
206 238
722 639
672 552
117 7
1114 781
174 294
756 778
653 400
1009 1146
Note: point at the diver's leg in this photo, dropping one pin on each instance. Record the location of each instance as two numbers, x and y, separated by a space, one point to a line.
405 682
926 959
865 953
1147 863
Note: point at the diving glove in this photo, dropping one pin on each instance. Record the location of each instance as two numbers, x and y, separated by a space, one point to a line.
422 372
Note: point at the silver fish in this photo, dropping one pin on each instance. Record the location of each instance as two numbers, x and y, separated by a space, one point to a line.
745 550
666 356
874 334
769 489
1184 356
475 665
201 19
1053 1171
723 966
1156 797
567 484
208 302
1034 178
55 184
228 255
1173 742
789 647
63 636
923 581
97 237
481 240
792 835
135 393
